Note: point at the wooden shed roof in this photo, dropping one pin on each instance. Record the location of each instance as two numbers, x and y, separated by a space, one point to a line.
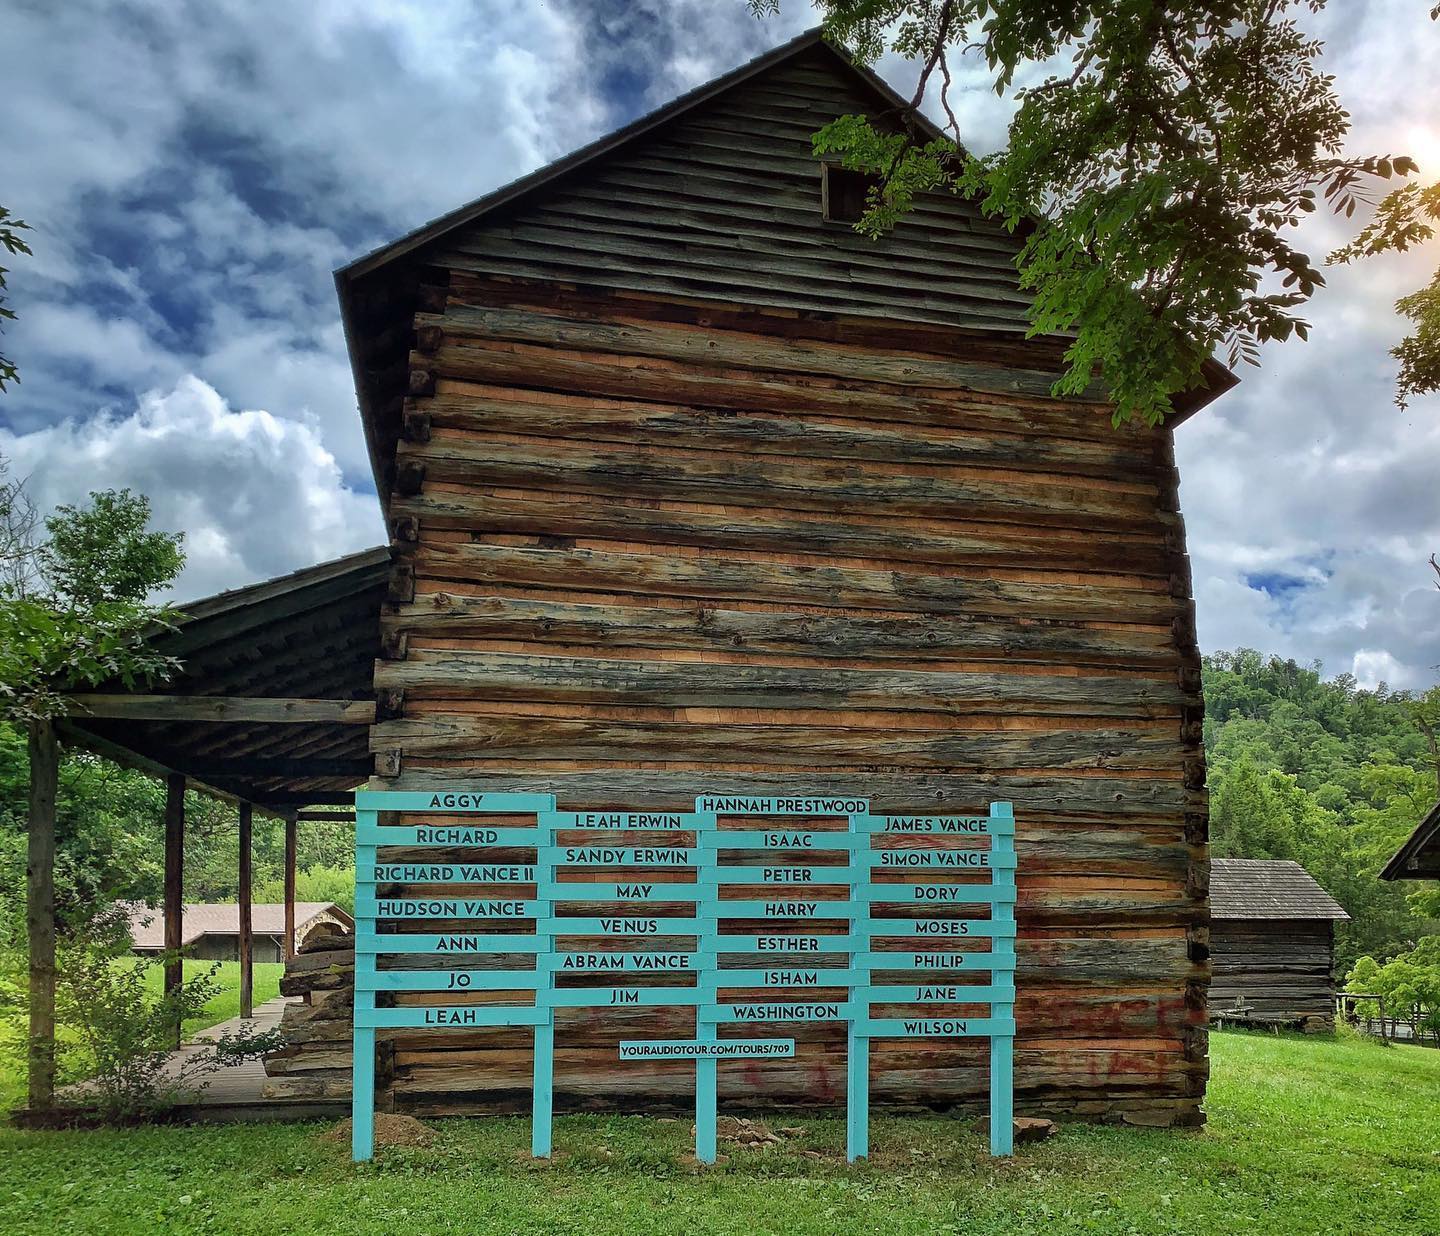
307 640
1419 857
222 918
1268 888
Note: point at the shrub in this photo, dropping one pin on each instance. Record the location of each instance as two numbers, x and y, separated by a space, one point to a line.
125 1035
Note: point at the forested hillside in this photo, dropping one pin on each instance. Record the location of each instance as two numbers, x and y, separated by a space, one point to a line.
1327 774
1319 771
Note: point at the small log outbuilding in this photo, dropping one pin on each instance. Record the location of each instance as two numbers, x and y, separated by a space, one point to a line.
692 488
1272 944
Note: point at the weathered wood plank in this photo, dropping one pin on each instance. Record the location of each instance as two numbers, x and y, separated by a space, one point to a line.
916 638
554 512
778 483
222 708
548 414
542 368
546 738
463 674
720 579
730 349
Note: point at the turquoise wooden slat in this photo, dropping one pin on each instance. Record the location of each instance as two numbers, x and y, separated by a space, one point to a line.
427 1016
414 909
707 1099
938 1027
738 804
953 825
697 1049
621 997
931 894
542 1086
451 980
683 857
936 993
787 976
944 860
939 929
638 890
447 873
362 1057
997 960
638 820
457 802
451 836
618 925
775 945
784 839
621 963
800 877
1002 1043
784 908
857 1043
460 944
787 1010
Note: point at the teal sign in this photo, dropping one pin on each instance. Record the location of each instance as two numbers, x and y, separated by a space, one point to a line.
862 926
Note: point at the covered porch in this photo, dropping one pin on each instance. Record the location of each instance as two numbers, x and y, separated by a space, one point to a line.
269 712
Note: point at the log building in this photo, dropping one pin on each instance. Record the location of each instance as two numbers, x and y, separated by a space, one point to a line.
1272 944
692 488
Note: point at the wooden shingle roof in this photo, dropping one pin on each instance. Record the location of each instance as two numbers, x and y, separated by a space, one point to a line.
147 928
1268 888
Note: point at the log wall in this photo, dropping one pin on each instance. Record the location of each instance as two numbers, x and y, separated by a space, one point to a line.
691 491
645 550
1284 970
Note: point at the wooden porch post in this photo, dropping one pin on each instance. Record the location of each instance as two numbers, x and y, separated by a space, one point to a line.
289 888
174 885
247 937
40 912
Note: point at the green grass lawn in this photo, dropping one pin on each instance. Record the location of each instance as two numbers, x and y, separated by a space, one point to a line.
1305 1136
224 1005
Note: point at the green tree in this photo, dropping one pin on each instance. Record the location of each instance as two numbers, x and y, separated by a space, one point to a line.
1159 174
13 243
74 612
74 603
1324 773
1409 982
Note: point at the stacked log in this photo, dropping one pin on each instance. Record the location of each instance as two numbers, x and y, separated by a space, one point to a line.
316 1061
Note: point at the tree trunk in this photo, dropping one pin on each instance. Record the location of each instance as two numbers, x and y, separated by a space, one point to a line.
247 934
290 839
40 911
174 887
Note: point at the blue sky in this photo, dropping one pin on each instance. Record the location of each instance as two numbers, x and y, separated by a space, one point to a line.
195 172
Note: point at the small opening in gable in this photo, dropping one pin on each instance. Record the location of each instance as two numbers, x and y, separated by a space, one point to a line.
844 194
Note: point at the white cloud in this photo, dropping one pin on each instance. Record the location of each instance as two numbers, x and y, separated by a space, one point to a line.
193 187
256 495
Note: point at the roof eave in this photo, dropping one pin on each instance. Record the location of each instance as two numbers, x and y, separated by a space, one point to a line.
1426 833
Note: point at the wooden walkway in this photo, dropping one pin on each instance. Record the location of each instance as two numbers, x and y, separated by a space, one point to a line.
235 1094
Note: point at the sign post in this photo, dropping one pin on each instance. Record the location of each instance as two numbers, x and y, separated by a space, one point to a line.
827 926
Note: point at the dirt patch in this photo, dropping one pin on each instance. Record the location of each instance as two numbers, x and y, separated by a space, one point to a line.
754 1132
389 1131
